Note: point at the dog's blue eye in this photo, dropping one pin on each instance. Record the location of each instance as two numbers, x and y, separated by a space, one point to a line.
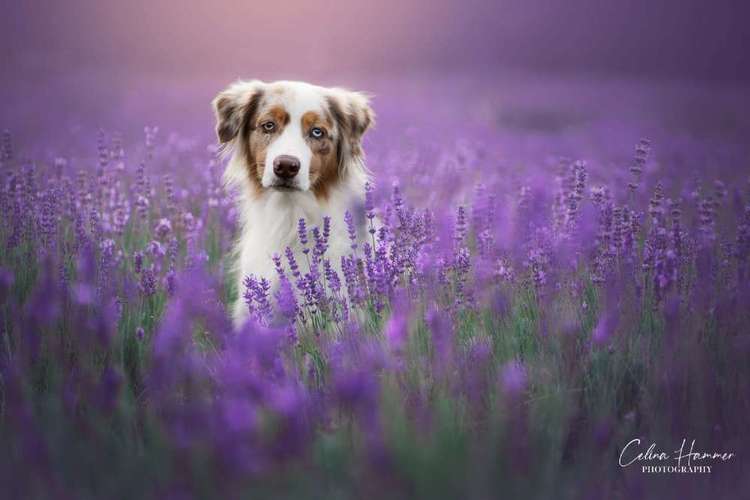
268 126
316 132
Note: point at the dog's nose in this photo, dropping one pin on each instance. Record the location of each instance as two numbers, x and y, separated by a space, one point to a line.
286 167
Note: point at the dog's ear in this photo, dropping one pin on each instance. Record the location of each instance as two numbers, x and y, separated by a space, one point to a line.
235 106
353 115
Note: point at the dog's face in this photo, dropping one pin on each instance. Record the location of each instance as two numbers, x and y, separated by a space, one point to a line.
293 136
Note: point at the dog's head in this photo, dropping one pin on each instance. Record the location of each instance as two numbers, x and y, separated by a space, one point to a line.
292 136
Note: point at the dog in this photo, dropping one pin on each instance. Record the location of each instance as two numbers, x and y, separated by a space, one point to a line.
295 153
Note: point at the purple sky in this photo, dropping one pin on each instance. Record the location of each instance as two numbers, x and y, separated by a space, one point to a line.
673 38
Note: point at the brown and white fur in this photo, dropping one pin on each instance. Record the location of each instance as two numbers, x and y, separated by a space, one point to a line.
295 152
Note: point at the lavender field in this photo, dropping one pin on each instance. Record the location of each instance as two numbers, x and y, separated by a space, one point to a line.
555 268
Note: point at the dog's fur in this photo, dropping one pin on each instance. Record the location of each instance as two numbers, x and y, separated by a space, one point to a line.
331 178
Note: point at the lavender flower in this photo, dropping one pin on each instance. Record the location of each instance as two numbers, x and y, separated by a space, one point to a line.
6 148
163 228
514 378
148 282
642 150
293 266
350 229
137 262
302 232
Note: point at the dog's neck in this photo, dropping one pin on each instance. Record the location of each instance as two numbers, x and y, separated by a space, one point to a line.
272 217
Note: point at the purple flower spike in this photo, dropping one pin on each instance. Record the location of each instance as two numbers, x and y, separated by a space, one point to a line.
350 229
293 266
513 378
148 282
302 232
163 228
138 262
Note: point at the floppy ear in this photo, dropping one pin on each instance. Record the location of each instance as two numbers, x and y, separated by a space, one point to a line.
235 107
353 115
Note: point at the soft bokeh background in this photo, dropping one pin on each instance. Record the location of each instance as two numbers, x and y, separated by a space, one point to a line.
693 38
571 71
